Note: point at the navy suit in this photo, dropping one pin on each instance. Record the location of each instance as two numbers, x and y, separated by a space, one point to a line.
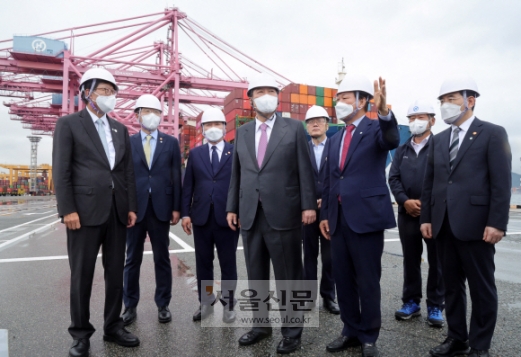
204 201
158 194
313 239
406 181
357 224
460 203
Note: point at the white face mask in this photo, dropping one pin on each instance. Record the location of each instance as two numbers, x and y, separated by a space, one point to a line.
267 104
214 134
450 113
418 127
150 121
106 103
343 110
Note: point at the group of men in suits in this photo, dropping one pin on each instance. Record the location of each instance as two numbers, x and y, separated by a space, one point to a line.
287 197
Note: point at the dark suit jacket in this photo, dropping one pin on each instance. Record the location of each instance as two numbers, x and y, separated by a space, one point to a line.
366 202
476 193
284 181
319 175
406 173
81 170
201 187
164 177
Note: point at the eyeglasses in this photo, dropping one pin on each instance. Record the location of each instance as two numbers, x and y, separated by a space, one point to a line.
105 91
316 121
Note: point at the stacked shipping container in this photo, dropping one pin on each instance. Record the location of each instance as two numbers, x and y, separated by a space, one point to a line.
294 101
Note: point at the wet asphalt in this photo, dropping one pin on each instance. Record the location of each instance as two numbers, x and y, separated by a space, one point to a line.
34 299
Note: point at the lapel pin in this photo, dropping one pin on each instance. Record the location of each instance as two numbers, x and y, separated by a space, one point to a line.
474 133
360 133
114 130
470 138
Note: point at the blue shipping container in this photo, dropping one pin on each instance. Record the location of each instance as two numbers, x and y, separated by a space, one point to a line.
57 99
39 45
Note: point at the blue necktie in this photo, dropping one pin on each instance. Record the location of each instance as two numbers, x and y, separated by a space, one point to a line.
215 160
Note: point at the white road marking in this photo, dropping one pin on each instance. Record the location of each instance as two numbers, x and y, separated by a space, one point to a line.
33 213
510 233
4 344
181 242
65 257
23 224
14 240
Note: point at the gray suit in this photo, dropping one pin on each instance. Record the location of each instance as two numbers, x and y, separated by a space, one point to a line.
269 201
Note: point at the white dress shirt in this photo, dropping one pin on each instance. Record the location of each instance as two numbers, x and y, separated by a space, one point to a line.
319 150
418 147
108 136
258 130
219 147
464 128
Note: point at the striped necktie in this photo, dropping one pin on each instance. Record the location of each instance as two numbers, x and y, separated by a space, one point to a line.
453 149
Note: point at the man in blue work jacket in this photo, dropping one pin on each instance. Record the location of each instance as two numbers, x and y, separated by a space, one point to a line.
406 181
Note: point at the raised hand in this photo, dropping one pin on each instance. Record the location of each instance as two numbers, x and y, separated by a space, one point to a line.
380 96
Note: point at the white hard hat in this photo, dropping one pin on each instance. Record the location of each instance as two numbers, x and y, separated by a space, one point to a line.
420 107
98 73
212 115
457 84
354 83
148 101
316 112
262 80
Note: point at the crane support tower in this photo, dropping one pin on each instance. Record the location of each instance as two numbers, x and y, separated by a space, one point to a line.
43 70
34 162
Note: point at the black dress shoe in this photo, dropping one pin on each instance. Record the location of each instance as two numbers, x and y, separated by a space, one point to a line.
202 312
288 345
80 348
478 353
343 343
370 350
450 347
122 337
331 306
129 315
228 315
164 314
252 337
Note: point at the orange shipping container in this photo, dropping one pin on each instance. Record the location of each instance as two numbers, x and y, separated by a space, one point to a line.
295 98
303 99
328 102
303 89
311 99
327 93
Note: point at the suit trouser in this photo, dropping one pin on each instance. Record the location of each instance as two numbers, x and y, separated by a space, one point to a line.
313 242
158 231
206 238
472 261
412 247
357 267
83 246
284 248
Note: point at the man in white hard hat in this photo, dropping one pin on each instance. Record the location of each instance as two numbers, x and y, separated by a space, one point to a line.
314 242
356 209
96 198
157 168
406 181
465 207
271 195
205 189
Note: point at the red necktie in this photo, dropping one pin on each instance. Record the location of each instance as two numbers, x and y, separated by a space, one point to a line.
345 148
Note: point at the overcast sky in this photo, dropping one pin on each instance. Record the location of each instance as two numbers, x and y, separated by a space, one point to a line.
413 44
